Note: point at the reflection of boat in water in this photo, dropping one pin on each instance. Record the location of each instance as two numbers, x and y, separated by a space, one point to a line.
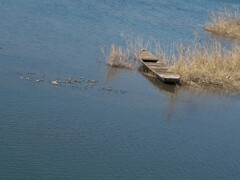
162 87
169 90
157 68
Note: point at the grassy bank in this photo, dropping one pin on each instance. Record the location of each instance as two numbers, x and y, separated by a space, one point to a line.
209 66
225 23
201 65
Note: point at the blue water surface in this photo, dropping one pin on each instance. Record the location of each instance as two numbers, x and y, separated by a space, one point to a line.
138 128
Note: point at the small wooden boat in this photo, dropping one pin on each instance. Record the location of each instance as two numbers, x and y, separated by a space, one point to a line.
159 69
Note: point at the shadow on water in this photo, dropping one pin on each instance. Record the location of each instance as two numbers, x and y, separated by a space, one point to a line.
111 73
168 89
222 38
171 91
180 96
164 88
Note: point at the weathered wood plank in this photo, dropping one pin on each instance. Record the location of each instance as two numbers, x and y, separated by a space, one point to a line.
159 69
147 56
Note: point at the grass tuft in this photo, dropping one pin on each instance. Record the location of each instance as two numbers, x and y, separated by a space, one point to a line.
119 58
225 22
127 57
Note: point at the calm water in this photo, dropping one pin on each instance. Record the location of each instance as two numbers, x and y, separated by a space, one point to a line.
150 131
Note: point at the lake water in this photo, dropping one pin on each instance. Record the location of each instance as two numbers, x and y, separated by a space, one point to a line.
138 129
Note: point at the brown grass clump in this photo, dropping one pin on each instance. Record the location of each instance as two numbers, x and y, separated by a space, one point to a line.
128 57
119 58
209 65
225 23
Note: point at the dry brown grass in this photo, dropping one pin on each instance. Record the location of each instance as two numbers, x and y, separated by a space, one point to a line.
201 65
128 57
120 58
209 66
225 23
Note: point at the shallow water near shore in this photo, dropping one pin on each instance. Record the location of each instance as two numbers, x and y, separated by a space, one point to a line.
126 125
